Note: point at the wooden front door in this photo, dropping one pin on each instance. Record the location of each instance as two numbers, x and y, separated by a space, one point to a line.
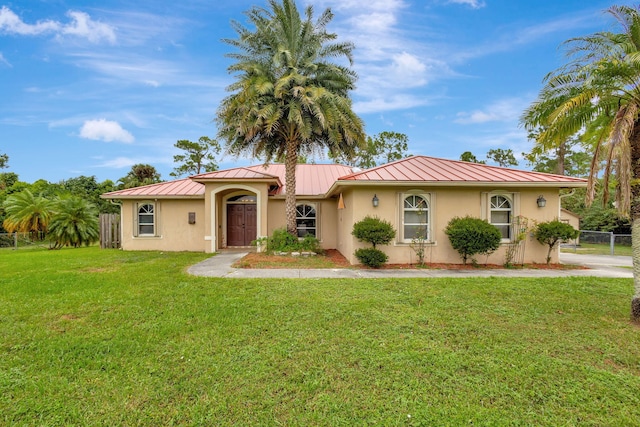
241 224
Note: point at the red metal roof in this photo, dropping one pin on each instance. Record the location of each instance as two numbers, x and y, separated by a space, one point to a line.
431 169
317 180
179 188
235 173
311 179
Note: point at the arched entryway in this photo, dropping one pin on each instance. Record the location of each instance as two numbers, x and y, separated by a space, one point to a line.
242 215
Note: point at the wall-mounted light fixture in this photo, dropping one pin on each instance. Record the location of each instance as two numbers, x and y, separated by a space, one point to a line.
375 201
192 217
542 202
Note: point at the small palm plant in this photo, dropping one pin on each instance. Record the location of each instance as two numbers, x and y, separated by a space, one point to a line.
27 213
75 223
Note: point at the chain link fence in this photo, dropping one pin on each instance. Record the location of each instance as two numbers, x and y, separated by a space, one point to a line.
601 242
22 240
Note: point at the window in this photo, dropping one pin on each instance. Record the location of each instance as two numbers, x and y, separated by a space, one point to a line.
415 217
500 214
306 220
146 220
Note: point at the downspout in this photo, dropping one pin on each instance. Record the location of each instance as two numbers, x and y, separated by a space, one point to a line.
571 193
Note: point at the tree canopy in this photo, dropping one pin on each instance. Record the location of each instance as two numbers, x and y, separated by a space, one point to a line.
4 161
290 97
468 156
382 148
502 157
597 94
197 156
139 175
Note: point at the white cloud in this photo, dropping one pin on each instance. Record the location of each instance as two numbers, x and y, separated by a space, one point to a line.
12 24
81 25
389 103
475 4
4 61
503 110
119 163
105 130
409 69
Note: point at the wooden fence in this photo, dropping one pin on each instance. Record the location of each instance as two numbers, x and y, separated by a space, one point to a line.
110 231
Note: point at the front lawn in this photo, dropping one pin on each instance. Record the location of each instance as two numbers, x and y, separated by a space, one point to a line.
105 337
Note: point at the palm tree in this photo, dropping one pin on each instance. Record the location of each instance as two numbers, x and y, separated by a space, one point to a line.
289 99
597 94
75 223
139 175
27 213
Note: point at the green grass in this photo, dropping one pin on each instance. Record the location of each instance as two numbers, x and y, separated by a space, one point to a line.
105 337
599 249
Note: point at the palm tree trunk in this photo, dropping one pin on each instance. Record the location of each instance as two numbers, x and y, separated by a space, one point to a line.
290 163
634 140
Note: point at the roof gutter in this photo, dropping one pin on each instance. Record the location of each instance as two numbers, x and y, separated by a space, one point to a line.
502 184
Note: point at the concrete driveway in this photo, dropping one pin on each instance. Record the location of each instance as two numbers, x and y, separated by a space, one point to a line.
599 266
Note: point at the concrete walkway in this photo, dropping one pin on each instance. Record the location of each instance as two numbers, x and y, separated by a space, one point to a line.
599 266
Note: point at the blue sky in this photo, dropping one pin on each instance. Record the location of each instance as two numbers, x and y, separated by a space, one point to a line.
93 87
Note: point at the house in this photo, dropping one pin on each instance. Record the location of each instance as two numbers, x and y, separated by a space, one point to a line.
230 208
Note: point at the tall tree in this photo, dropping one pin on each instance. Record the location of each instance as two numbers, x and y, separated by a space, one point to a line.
502 157
27 213
198 156
468 156
570 157
139 175
90 189
382 148
4 160
598 91
289 99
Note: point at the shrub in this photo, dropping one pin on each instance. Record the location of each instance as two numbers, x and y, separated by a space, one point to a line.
310 244
377 232
470 236
282 241
553 232
371 257
373 230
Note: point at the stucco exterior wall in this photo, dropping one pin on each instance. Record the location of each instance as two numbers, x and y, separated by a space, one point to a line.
173 231
215 195
327 214
446 203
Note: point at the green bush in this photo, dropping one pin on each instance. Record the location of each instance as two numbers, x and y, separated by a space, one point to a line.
371 257
282 241
309 244
373 230
470 236
551 233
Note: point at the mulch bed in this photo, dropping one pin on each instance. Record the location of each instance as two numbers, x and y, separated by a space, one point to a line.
259 260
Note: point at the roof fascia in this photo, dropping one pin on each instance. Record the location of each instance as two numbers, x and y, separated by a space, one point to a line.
508 184
148 196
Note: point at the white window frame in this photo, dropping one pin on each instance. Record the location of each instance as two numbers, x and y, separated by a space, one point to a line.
316 218
153 214
428 198
514 200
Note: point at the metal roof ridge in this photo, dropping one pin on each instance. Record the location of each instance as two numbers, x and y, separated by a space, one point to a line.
238 168
155 184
